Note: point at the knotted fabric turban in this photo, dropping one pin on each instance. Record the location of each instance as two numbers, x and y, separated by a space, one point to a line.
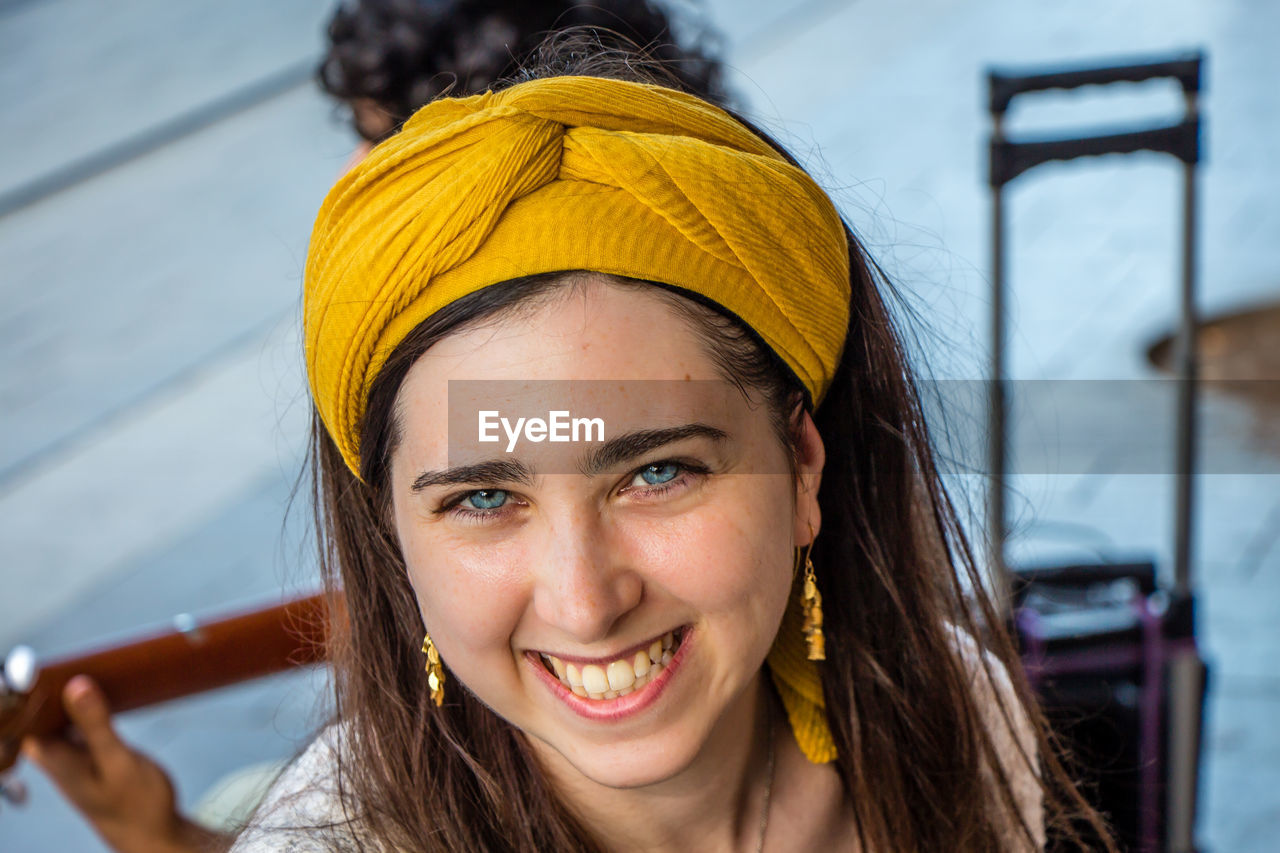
568 173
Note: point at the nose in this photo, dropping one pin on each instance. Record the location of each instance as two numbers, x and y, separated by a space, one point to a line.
585 585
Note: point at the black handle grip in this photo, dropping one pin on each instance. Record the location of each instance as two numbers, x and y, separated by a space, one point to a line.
1085 574
1010 159
1003 84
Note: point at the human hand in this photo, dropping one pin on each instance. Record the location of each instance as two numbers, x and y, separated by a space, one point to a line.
127 798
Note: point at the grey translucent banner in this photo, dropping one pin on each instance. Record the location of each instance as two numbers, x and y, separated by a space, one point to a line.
1054 426
1107 426
540 427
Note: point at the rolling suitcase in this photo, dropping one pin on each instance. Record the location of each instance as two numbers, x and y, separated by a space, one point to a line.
1110 649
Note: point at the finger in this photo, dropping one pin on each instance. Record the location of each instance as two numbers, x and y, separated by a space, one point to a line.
87 707
68 766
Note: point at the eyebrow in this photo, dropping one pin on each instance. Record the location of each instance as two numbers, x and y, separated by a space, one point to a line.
629 445
613 452
491 471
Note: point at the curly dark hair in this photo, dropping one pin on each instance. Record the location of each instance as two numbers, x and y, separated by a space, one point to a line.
396 55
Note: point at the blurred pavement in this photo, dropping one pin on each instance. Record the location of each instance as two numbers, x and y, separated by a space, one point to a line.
163 163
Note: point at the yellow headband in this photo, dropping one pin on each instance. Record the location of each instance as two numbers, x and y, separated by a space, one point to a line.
573 173
567 173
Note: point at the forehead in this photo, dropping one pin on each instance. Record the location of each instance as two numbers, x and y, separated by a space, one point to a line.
624 351
594 330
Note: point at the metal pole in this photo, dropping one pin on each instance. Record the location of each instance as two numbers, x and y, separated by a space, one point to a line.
999 576
1187 380
1186 673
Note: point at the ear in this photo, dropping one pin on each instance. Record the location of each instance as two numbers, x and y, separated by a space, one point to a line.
811 456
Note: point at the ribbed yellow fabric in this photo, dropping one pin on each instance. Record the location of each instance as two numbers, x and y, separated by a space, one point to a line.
799 685
577 173
567 173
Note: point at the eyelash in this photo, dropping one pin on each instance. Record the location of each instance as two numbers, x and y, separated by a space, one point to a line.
454 505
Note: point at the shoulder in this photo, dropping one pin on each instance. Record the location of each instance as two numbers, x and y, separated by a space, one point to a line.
303 811
1010 728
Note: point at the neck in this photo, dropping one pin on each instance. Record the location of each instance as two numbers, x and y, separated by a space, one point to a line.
715 803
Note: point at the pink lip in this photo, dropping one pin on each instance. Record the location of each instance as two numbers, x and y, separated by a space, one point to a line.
611 710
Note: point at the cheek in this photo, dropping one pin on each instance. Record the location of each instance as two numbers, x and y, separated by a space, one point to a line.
471 597
731 551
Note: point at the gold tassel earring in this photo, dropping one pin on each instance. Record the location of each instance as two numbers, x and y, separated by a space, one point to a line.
812 603
435 670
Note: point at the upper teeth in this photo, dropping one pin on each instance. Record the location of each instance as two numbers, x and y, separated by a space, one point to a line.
616 678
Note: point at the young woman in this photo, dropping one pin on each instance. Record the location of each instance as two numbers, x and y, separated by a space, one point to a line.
742 617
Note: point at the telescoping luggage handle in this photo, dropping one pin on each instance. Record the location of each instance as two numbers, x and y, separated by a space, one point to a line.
1009 159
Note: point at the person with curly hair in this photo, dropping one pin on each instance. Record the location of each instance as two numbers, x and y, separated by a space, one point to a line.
386 58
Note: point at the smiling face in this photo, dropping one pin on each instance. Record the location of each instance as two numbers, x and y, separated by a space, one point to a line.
546 575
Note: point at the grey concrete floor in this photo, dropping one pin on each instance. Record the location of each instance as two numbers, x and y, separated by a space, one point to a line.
151 399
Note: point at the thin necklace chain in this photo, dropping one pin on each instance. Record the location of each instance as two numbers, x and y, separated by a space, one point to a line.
768 783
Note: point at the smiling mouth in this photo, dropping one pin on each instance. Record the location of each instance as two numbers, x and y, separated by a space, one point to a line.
618 677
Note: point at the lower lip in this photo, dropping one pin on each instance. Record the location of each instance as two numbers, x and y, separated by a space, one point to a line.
611 710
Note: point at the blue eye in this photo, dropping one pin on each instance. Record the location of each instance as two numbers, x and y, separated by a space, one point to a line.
486 499
657 474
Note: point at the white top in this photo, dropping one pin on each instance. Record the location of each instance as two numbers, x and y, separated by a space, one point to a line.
305 795
306 792
1011 743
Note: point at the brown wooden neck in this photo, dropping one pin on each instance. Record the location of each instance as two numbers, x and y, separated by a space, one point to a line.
192 657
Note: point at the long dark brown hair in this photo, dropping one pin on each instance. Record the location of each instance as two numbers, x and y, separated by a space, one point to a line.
917 756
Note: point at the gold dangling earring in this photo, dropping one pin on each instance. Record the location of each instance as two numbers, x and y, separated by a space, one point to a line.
812 602
435 670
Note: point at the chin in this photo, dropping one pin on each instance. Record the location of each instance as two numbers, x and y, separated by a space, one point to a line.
631 765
